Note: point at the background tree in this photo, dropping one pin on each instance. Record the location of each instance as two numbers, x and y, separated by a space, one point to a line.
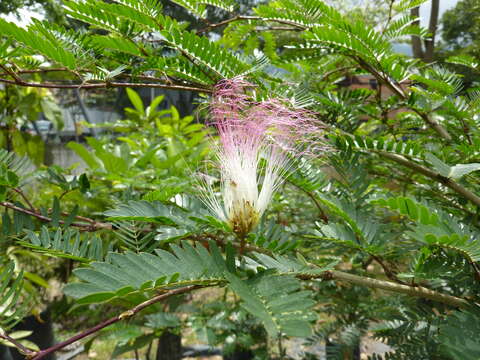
425 49
461 28
51 9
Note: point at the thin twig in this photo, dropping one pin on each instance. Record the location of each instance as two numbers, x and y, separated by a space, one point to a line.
11 73
65 193
103 85
389 273
17 344
47 70
24 197
409 289
40 70
397 89
448 182
241 17
125 315
83 227
79 217
418 291
226 22
390 15
476 269
323 216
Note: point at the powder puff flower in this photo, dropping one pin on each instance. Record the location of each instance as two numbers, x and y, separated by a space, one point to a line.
257 142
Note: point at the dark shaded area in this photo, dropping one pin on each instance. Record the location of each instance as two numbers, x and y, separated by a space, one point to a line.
240 354
5 353
169 347
42 333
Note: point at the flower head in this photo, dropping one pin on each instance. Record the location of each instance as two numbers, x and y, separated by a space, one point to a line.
257 141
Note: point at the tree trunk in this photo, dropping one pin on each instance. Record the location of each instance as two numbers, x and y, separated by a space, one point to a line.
432 28
169 347
416 41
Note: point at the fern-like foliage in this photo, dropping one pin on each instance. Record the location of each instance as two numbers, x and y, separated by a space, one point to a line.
308 178
131 273
277 302
112 17
406 148
288 265
458 335
404 26
155 212
435 228
353 38
273 237
305 13
441 80
182 68
201 51
12 307
18 164
201 60
361 230
135 237
60 48
410 208
68 244
198 7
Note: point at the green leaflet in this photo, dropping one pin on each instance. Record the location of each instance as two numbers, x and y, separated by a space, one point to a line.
407 148
219 61
278 302
459 335
68 244
130 273
38 43
288 265
91 160
410 208
464 60
454 172
433 227
178 66
146 211
12 310
198 7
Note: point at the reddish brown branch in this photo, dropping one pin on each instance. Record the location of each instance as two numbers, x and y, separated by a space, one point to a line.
388 273
125 315
239 18
103 85
47 70
82 218
322 214
396 88
92 226
41 70
20 192
17 344
11 73
226 22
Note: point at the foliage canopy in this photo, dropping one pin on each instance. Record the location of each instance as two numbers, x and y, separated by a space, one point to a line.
391 208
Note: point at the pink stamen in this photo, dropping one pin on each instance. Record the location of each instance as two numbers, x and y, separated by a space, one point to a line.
256 142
